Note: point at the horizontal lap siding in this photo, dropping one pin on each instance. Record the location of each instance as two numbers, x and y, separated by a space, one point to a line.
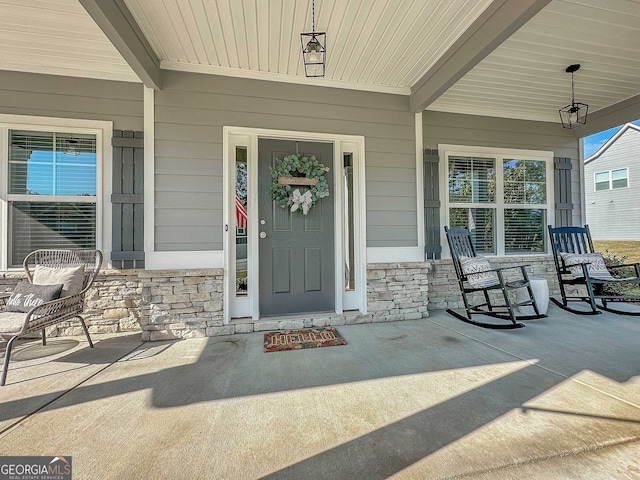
70 97
613 214
456 129
191 110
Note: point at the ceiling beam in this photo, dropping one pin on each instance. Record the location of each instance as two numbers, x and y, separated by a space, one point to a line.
117 23
612 116
497 23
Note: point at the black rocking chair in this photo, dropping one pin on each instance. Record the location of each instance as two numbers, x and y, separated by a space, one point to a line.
578 265
476 275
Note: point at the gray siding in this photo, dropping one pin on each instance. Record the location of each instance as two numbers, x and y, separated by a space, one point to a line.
71 97
191 110
456 129
614 214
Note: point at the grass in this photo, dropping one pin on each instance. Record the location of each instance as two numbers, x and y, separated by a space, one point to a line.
627 248
619 248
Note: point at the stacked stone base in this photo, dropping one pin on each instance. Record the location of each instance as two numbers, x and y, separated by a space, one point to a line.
398 291
182 304
189 303
112 305
444 291
172 304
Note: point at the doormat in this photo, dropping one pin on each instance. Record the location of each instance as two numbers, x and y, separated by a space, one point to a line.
299 339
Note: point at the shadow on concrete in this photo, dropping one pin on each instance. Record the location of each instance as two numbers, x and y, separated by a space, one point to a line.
411 439
34 348
232 367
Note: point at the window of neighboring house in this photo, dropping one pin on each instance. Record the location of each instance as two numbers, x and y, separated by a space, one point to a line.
501 196
53 183
612 179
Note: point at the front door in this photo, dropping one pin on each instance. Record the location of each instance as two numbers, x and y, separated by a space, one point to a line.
296 251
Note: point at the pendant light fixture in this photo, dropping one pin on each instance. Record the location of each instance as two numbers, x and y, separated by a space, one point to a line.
70 146
574 114
314 51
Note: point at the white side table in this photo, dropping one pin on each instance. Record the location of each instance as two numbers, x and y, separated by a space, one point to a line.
540 290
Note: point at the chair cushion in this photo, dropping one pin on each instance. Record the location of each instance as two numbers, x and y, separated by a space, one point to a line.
477 265
11 322
25 296
595 265
72 278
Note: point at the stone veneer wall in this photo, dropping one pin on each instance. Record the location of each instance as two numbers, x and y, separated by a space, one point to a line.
398 291
444 291
182 304
189 303
113 304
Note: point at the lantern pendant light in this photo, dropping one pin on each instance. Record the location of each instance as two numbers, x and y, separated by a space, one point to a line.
574 114
314 48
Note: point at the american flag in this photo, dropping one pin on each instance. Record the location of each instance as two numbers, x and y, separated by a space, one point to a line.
241 214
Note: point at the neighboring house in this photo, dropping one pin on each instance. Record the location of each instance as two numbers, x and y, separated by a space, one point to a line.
158 153
612 187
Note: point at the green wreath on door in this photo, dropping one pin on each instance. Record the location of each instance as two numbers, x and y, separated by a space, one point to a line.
298 182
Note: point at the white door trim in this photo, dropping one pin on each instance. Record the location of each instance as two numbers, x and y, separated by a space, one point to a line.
248 137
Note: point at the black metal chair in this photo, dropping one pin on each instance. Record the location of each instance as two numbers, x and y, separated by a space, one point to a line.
578 265
475 275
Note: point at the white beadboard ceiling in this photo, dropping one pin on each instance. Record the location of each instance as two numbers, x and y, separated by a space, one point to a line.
384 45
57 37
526 74
375 45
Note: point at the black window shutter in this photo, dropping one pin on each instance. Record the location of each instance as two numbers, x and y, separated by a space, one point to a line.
432 226
562 191
127 199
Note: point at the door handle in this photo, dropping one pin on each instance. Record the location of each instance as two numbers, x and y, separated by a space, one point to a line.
263 235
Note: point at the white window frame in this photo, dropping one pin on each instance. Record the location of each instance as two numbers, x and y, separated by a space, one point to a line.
610 174
103 131
499 154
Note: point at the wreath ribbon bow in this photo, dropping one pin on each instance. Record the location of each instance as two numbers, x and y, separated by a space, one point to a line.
302 201
298 182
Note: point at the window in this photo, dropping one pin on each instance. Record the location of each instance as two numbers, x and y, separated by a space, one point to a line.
242 220
612 179
348 215
501 196
51 192
56 185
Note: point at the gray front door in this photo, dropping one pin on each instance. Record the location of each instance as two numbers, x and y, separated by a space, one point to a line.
297 253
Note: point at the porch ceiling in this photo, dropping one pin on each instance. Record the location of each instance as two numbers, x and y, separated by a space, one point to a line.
525 76
57 37
384 45
422 48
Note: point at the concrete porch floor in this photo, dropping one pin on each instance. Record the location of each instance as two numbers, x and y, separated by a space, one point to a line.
423 399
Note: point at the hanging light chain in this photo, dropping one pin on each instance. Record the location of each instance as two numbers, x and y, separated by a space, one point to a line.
574 114
313 48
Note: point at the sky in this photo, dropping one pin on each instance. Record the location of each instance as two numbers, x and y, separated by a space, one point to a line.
76 174
593 142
